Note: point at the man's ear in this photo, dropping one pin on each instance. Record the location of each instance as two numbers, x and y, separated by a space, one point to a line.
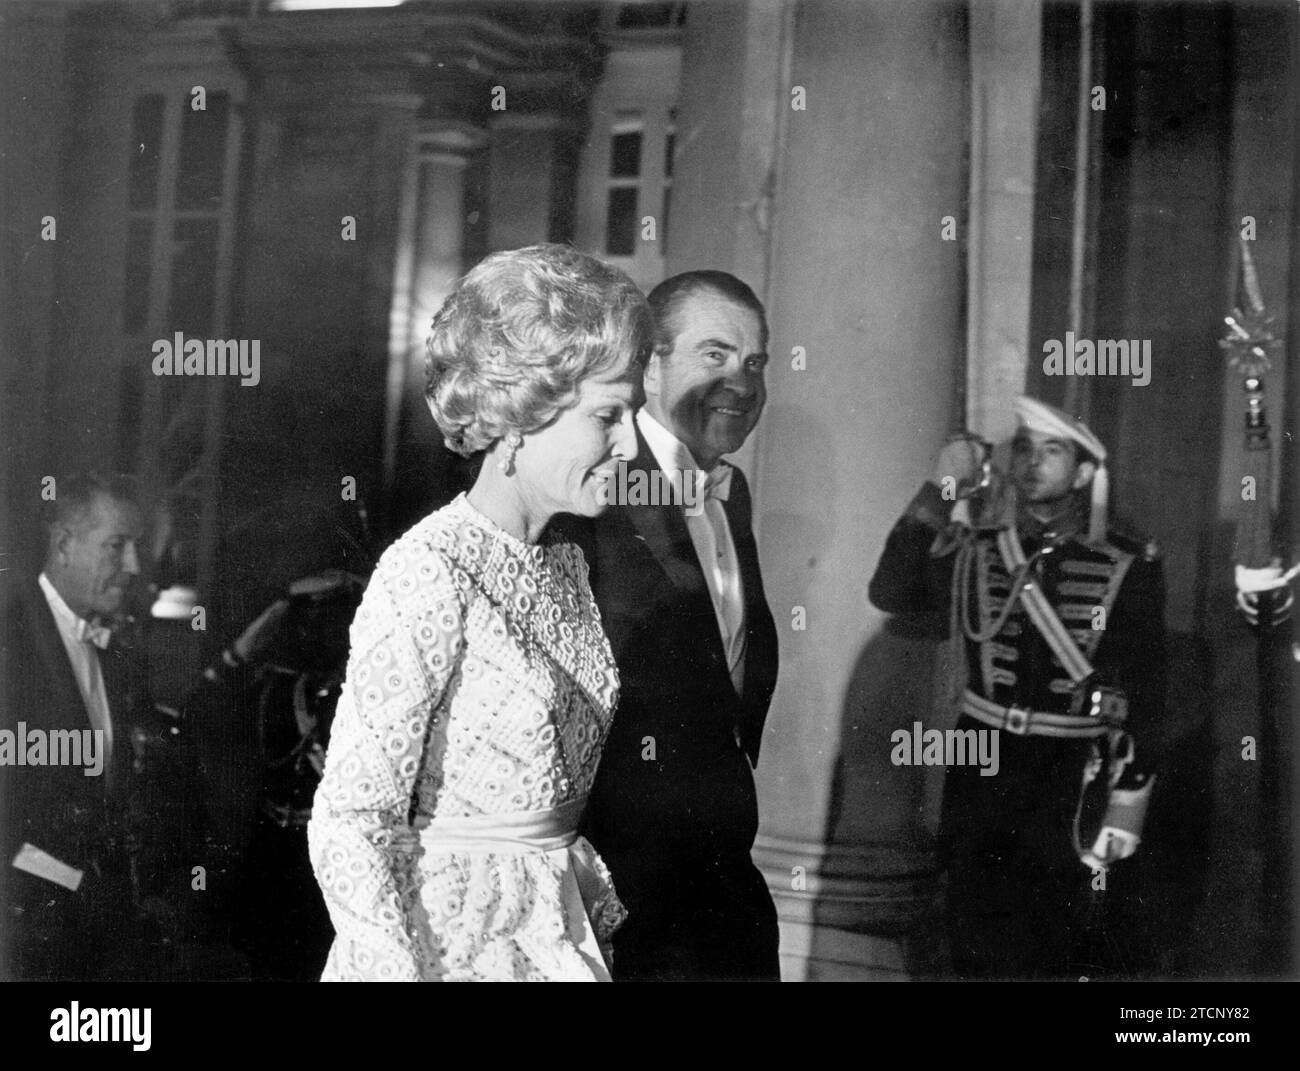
61 537
1083 475
653 370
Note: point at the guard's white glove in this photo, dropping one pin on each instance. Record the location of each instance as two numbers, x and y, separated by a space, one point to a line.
1111 846
958 465
1250 582
1121 829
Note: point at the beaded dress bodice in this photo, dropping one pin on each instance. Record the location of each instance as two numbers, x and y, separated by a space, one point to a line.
480 683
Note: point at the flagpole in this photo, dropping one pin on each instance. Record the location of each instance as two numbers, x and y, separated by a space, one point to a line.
1077 388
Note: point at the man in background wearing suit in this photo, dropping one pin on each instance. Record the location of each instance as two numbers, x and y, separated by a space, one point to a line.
673 810
68 890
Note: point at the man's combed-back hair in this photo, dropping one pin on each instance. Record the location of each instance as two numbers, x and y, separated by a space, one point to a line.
666 300
75 493
522 330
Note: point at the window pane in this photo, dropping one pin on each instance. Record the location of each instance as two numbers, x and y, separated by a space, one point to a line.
203 152
212 9
647 16
146 148
620 224
194 272
135 304
625 154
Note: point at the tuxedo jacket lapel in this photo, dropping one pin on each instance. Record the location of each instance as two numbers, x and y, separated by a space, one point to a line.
57 696
664 532
761 642
57 808
53 658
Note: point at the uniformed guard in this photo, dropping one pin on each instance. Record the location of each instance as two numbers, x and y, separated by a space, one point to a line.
1062 622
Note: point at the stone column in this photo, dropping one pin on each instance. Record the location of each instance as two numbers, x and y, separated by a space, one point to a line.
317 256
521 176
731 109
430 255
342 98
833 211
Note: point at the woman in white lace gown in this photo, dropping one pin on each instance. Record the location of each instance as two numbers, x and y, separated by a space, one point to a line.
480 684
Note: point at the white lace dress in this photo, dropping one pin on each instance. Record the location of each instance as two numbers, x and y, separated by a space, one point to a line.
479 691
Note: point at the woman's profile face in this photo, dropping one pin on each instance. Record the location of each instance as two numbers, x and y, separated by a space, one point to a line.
561 467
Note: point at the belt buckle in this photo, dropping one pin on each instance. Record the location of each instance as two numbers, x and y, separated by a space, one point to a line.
1017 720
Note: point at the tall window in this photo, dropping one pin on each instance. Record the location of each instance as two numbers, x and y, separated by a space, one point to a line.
628 224
630 189
177 201
179 225
626 175
621 219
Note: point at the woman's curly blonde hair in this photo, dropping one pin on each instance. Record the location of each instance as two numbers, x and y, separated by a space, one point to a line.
511 344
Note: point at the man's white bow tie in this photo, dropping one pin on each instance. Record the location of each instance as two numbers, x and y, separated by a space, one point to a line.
88 632
718 483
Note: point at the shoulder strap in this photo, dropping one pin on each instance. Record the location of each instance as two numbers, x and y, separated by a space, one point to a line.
1041 612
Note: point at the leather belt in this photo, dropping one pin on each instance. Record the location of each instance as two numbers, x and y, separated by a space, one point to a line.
1020 721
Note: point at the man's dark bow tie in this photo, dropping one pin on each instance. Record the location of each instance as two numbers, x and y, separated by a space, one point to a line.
89 632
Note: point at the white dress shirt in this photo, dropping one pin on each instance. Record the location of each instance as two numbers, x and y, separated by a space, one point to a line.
714 547
85 662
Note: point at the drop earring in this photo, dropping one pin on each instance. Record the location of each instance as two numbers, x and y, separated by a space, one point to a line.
507 462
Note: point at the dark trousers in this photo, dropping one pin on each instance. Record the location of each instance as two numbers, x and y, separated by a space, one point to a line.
698 920
1009 921
1017 892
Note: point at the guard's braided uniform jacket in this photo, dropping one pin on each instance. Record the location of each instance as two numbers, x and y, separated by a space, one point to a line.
1009 840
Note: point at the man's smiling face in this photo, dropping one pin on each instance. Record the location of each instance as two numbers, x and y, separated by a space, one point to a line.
709 390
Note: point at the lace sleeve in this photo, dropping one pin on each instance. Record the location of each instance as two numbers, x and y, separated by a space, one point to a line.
406 641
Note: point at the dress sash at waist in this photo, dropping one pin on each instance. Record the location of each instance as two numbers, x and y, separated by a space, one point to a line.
553 833
520 831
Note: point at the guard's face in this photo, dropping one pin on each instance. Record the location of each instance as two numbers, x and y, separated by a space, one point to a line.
709 391
99 559
1044 468
562 466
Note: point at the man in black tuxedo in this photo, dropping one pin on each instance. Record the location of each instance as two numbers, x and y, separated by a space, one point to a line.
673 810
69 894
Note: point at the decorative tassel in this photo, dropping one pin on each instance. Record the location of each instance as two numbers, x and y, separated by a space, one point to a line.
1097 514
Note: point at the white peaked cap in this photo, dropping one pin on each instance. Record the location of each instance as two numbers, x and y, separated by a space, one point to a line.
1048 420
